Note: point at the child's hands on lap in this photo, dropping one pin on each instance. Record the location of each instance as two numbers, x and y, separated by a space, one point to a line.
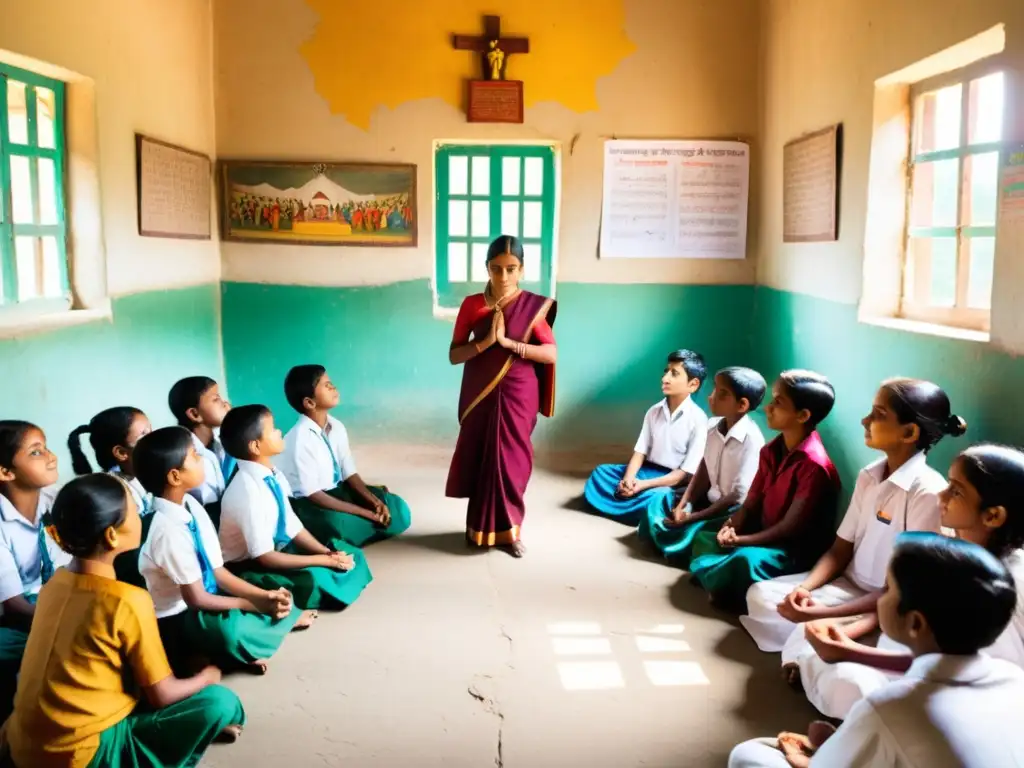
798 606
380 509
829 640
627 488
339 561
679 515
797 749
276 603
727 537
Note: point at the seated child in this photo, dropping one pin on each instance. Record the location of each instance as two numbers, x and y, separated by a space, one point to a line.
203 610
667 453
896 493
786 522
28 556
198 406
983 504
725 474
946 600
262 539
113 434
331 499
95 646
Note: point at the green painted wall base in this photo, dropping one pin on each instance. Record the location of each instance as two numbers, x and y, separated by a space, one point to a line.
62 378
389 356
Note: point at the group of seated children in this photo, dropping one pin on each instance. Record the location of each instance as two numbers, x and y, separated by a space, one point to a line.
753 523
238 534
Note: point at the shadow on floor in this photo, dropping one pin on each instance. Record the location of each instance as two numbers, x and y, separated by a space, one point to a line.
449 542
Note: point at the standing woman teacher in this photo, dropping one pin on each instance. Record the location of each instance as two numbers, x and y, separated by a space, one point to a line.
504 338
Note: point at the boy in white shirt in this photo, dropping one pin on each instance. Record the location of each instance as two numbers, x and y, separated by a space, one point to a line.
205 613
330 498
198 406
946 600
667 453
262 539
726 472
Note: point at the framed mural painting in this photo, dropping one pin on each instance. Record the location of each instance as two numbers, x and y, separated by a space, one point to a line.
371 204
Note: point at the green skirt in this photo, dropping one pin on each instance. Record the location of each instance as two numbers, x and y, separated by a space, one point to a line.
126 565
326 524
229 639
727 574
177 735
676 544
12 648
312 587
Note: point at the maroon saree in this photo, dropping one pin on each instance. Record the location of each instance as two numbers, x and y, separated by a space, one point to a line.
498 406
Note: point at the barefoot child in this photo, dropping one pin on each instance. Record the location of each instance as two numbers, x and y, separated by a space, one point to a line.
786 522
94 644
203 610
197 404
28 556
113 434
983 504
896 493
331 498
260 535
667 453
945 601
725 474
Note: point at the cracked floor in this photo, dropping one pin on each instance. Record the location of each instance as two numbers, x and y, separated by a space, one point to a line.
584 653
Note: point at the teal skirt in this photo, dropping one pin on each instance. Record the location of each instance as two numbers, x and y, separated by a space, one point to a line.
229 639
177 735
12 648
604 481
327 524
728 573
312 587
126 565
676 544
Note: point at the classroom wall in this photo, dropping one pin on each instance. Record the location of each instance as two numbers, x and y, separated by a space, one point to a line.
150 63
293 82
820 61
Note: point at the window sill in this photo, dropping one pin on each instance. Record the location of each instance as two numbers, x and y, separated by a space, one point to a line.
928 329
15 323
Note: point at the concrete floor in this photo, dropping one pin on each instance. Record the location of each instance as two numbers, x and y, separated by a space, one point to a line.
585 653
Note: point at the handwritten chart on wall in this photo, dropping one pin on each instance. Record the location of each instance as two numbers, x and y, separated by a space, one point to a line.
173 190
810 187
675 199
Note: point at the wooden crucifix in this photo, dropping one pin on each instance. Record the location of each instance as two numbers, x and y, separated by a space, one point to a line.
493 99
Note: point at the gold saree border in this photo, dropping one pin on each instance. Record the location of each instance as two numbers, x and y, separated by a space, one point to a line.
482 539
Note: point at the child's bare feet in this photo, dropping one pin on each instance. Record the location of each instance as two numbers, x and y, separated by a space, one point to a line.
230 734
305 621
258 667
791 674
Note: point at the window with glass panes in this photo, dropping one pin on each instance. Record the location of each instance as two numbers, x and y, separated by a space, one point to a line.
33 258
951 242
484 191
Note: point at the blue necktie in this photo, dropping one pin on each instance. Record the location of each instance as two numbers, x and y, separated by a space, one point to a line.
334 459
205 567
46 562
281 537
228 467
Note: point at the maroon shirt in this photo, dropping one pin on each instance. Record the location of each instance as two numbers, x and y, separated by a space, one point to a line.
784 476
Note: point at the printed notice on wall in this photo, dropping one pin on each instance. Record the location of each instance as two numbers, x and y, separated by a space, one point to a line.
1011 198
675 199
810 187
174 186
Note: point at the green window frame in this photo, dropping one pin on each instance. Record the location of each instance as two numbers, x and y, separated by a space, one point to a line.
33 231
484 191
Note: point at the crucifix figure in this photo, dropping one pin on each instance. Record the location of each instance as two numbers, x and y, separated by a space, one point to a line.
493 48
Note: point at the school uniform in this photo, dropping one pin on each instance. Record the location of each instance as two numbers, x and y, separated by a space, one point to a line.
947 712
834 689
79 685
126 565
183 548
731 458
669 440
316 459
28 560
218 467
257 518
880 510
783 477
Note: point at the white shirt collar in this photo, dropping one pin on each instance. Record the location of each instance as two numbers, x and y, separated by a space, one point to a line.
683 408
305 421
948 669
254 469
739 432
10 514
179 513
904 477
